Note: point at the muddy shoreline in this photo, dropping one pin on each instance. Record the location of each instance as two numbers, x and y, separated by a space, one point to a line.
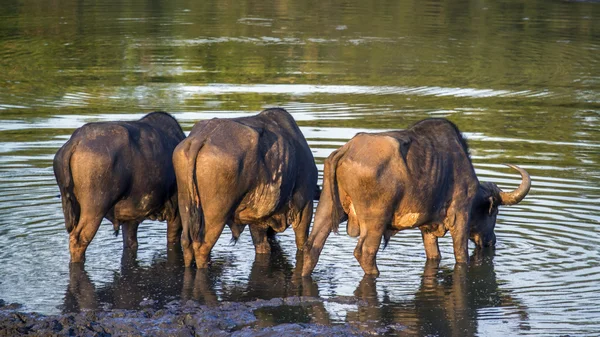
177 318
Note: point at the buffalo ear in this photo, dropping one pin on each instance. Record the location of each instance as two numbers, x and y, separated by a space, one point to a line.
491 199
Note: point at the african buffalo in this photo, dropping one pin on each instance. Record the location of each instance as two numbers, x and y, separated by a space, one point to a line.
420 177
122 171
256 171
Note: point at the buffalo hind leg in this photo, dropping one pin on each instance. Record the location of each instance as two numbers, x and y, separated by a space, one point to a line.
367 247
260 239
81 236
323 225
186 234
174 230
202 250
303 226
187 249
430 242
460 237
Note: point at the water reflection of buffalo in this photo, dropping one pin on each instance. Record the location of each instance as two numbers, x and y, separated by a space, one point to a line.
122 171
273 276
165 280
161 282
446 304
256 171
420 177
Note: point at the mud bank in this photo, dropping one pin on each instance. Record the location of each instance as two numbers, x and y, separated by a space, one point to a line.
176 319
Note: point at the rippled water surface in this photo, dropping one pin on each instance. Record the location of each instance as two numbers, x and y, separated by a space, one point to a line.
521 79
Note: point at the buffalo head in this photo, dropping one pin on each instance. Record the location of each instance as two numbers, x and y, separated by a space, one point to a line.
485 207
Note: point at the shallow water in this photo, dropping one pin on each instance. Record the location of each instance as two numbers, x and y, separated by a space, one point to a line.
521 79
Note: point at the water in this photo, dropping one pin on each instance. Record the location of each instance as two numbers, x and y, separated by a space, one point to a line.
521 79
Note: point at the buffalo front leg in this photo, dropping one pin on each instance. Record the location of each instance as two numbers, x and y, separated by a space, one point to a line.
130 241
259 238
460 237
81 236
430 242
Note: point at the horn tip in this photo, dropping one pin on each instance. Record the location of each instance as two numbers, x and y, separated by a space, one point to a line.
511 198
517 168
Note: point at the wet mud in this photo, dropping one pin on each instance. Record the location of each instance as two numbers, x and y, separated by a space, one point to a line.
177 318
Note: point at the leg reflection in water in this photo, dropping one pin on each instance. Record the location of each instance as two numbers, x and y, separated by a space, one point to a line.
199 285
272 277
81 293
155 285
447 303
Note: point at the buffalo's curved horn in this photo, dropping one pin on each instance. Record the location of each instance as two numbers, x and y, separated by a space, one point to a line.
514 197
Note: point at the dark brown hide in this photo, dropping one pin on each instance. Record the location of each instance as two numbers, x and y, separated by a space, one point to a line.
121 171
420 177
256 171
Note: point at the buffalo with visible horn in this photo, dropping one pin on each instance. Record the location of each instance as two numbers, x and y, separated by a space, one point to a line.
420 177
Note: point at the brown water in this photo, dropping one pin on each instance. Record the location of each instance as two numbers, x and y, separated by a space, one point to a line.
521 79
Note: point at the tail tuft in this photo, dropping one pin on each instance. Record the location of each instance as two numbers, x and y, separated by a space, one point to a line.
236 231
71 214
196 223
387 235
116 227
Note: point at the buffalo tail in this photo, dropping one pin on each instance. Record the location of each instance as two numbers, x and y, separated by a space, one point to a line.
62 172
196 219
331 179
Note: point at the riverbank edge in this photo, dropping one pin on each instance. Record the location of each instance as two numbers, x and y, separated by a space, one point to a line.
177 318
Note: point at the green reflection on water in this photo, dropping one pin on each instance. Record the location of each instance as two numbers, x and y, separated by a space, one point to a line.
540 57
50 49
520 78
